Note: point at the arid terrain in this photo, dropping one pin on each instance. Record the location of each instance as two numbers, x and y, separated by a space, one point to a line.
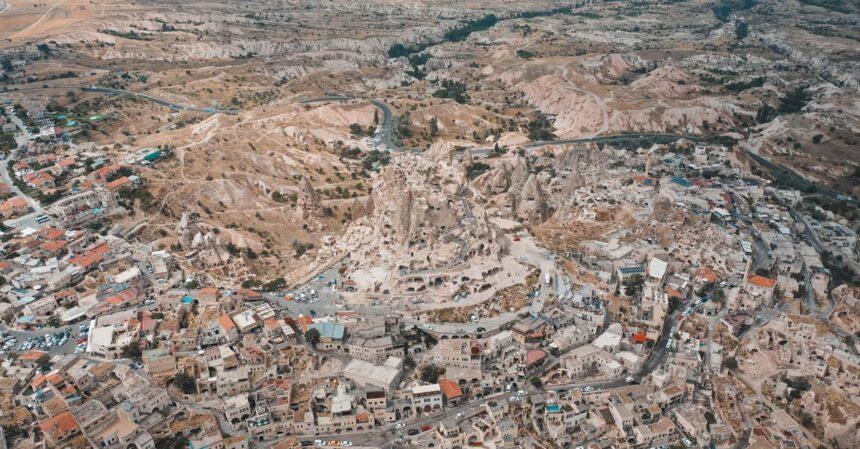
430 224
779 77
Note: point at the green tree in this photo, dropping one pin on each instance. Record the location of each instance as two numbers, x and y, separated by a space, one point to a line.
742 30
431 373
185 383
731 363
132 350
710 418
536 382
633 285
44 360
312 336
172 442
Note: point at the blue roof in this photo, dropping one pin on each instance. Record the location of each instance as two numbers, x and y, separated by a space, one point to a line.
680 181
631 270
153 156
328 330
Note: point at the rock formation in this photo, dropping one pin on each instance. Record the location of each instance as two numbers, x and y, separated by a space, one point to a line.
532 206
424 234
309 202
193 237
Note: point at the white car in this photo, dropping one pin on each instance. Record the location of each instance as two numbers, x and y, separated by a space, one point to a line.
629 379
399 425
319 443
346 443
459 414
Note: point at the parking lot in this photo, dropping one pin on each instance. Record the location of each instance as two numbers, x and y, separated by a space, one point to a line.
62 340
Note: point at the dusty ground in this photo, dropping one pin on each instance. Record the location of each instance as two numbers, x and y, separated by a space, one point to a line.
601 69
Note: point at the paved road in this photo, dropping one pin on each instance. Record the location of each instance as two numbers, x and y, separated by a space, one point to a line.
383 131
796 177
382 135
28 220
170 104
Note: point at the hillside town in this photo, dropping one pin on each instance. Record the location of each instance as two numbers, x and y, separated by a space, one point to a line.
543 224
714 322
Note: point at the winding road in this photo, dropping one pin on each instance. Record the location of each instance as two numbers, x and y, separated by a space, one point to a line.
383 131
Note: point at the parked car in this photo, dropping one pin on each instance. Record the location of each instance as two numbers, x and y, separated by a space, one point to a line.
413 432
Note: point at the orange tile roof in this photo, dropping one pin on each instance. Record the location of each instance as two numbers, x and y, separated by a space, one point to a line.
674 293
450 389
51 233
53 246
248 293
208 291
32 355
117 183
14 203
761 281
39 178
59 426
226 322
534 356
304 321
707 274
106 171
91 257
67 293
66 162
55 378
38 381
